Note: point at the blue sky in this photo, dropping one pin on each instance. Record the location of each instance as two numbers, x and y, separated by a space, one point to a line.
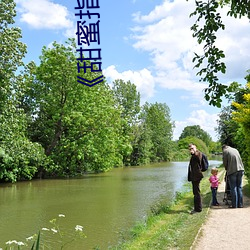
148 42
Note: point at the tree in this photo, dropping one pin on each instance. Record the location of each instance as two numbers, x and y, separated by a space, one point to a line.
196 131
215 148
183 144
12 50
242 117
79 127
230 130
208 23
20 158
233 123
227 127
156 120
128 100
142 145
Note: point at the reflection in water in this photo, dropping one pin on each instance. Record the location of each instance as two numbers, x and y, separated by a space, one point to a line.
104 204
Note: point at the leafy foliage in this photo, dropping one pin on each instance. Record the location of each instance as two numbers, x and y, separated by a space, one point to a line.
20 157
128 100
201 146
157 122
196 131
149 131
241 115
142 145
233 123
227 128
78 126
207 24
12 50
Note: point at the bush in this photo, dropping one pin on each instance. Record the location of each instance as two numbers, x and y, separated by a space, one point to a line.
20 160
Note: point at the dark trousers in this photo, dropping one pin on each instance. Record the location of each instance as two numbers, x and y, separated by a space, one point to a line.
197 196
214 196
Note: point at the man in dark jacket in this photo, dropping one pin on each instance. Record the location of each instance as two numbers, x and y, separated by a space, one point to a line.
195 175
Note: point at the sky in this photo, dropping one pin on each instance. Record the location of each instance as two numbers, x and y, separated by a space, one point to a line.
146 42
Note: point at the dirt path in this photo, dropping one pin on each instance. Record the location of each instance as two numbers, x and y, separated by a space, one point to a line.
225 228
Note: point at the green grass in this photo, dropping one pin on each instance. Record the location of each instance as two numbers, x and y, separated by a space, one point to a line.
246 188
170 226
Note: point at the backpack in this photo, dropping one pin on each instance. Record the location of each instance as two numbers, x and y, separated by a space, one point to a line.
204 163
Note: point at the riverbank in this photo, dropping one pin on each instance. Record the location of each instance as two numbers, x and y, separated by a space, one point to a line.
175 228
172 227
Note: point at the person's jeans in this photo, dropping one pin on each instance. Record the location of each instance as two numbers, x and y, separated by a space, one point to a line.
197 196
214 196
235 182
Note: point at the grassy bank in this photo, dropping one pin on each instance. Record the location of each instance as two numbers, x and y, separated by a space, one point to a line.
170 227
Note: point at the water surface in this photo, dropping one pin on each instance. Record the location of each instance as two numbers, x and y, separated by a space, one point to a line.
104 204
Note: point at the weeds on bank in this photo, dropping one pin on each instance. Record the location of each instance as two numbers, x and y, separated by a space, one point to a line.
169 226
246 187
53 237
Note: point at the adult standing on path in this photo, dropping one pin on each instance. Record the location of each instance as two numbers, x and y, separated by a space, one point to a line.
235 169
195 175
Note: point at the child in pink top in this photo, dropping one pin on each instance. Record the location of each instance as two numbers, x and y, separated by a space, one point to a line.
214 186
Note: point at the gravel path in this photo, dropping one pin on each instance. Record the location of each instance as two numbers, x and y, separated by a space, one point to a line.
225 228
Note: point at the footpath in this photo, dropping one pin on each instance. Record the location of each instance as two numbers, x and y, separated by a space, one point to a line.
225 228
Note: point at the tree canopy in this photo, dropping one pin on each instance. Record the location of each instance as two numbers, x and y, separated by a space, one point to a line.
205 29
234 120
19 158
157 121
196 131
201 146
79 127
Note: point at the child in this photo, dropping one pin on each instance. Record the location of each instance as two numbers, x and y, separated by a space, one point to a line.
214 185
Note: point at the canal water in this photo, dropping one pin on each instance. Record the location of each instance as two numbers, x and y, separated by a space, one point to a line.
106 204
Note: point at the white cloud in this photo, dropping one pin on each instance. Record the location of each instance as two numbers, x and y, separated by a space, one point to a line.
159 12
235 40
44 14
208 122
143 80
165 33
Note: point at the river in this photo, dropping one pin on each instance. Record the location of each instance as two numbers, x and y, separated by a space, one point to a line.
104 204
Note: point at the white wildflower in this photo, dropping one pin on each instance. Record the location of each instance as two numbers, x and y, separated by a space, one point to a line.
78 228
45 229
10 242
20 243
61 215
29 238
54 230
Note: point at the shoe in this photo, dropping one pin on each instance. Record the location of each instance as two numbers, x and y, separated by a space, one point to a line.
231 207
194 212
217 204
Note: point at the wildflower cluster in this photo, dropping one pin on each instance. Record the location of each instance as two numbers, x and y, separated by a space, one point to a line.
40 239
18 243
